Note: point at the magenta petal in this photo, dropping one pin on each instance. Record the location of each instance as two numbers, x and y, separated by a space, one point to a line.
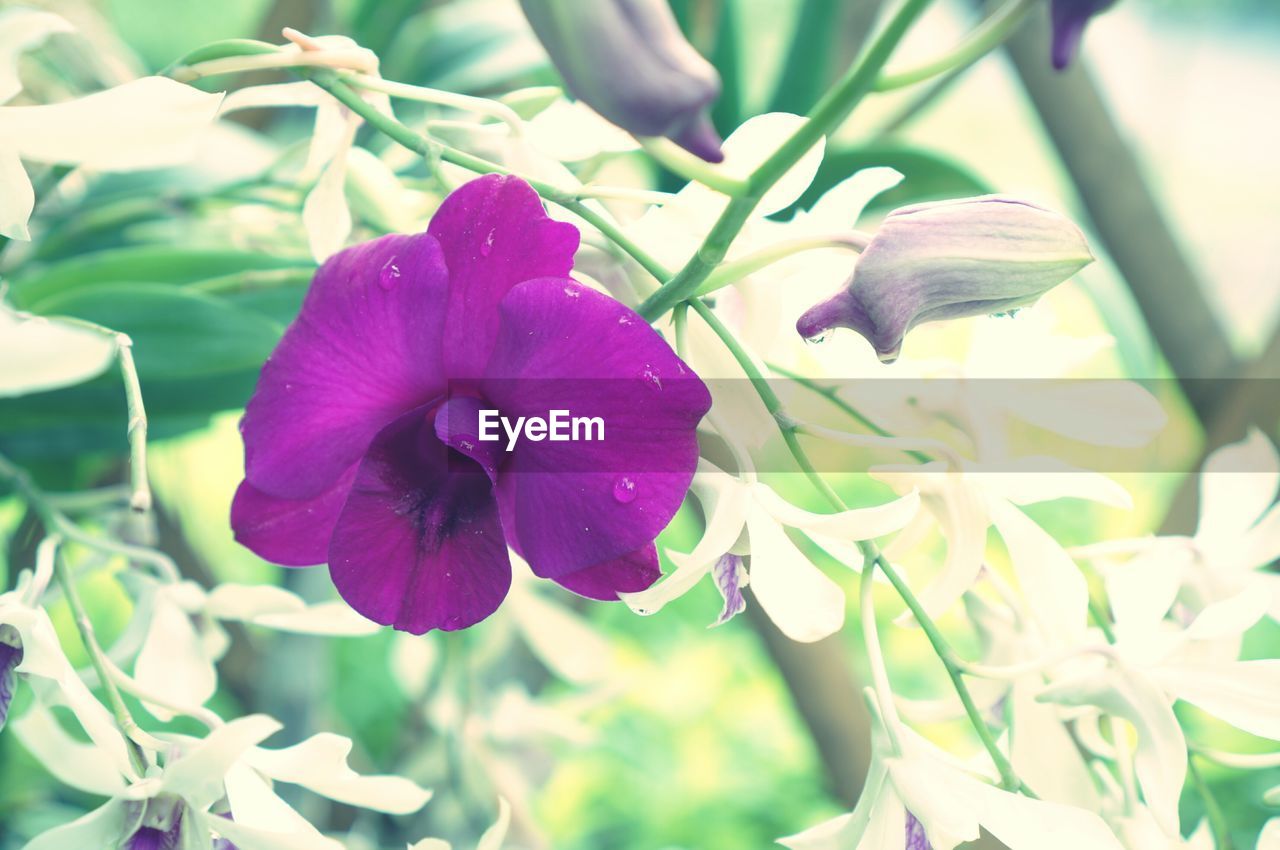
495 234
291 532
365 348
574 504
419 544
631 573
457 425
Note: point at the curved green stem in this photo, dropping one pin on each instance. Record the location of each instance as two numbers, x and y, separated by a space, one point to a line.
987 36
825 117
1008 777
728 273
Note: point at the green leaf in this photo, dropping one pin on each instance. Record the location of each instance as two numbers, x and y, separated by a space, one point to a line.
806 69
176 333
927 176
146 264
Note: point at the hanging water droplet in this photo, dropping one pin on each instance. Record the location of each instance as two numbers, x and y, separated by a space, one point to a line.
389 275
624 490
816 339
486 247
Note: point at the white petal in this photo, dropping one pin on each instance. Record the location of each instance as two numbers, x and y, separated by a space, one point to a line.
801 600
320 764
961 513
44 354
842 205
1141 593
277 608
1245 694
1230 617
197 776
335 619
55 680
1042 479
1045 755
1103 413
857 524
99 828
1269 838
17 198
573 132
146 123
325 213
173 663
562 640
1161 756
1237 486
277 95
73 763
688 572
22 30
1051 583
254 803
952 805
254 838
847 830
431 844
497 833
755 141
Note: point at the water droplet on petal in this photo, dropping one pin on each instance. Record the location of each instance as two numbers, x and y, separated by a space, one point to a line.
624 490
624 320
817 339
572 292
389 275
486 247
650 377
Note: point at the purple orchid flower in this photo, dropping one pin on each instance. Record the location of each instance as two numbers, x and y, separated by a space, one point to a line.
361 441
1068 18
10 658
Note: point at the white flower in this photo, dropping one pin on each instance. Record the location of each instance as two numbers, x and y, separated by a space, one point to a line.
912 787
746 517
148 123
492 839
38 354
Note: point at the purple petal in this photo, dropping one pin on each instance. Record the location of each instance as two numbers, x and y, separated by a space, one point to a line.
916 838
365 348
419 544
495 234
10 658
290 532
631 573
457 425
562 346
729 576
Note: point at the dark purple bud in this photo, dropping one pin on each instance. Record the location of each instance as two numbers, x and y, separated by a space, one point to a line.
10 658
948 260
1069 18
628 60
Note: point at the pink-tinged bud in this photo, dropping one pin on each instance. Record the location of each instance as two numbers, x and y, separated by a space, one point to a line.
628 60
947 260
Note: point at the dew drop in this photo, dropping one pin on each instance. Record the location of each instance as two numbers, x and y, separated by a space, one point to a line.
817 339
624 490
572 292
624 320
652 378
389 275
486 247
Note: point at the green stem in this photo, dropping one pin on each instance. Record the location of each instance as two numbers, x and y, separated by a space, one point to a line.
825 117
987 36
432 150
1008 777
729 273
830 394
689 167
84 626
